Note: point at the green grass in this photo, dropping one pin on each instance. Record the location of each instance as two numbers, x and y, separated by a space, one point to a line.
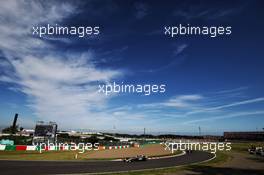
243 147
207 168
46 155
221 157
153 172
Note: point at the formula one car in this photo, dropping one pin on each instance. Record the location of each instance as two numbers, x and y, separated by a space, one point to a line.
252 150
188 151
256 150
260 151
136 159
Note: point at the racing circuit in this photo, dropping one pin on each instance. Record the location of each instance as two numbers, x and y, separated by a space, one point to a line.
75 167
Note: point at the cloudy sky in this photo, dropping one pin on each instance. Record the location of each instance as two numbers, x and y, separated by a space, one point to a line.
215 83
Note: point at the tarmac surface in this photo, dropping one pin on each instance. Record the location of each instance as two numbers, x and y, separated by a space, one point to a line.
74 167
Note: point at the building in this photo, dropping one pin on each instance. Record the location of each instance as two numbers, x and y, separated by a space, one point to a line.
253 135
27 132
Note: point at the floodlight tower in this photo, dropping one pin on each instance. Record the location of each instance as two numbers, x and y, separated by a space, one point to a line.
14 124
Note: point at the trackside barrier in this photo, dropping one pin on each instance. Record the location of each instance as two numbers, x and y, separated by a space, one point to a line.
136 145
52 148
31 148
101 147
118 147
10 148
2 147
21 147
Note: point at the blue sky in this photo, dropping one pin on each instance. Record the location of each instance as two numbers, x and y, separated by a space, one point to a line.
215 83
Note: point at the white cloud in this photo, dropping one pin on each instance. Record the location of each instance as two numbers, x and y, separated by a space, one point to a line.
180 101
17 19
60 86
183 101
141 10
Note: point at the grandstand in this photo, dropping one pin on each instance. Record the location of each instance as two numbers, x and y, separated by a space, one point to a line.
45 132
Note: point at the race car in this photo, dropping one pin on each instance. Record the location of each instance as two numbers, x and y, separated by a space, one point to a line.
188 151
136 159
256 150
252 150
259 151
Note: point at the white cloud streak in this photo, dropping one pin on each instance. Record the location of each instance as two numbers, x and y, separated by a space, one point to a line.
255 100
233 115
180 101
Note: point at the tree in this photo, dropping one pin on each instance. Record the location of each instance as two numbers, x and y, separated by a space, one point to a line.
10 130
93 139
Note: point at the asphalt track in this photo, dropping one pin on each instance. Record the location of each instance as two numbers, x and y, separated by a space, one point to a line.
73 167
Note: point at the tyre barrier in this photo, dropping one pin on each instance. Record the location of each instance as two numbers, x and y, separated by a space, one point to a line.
117 147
